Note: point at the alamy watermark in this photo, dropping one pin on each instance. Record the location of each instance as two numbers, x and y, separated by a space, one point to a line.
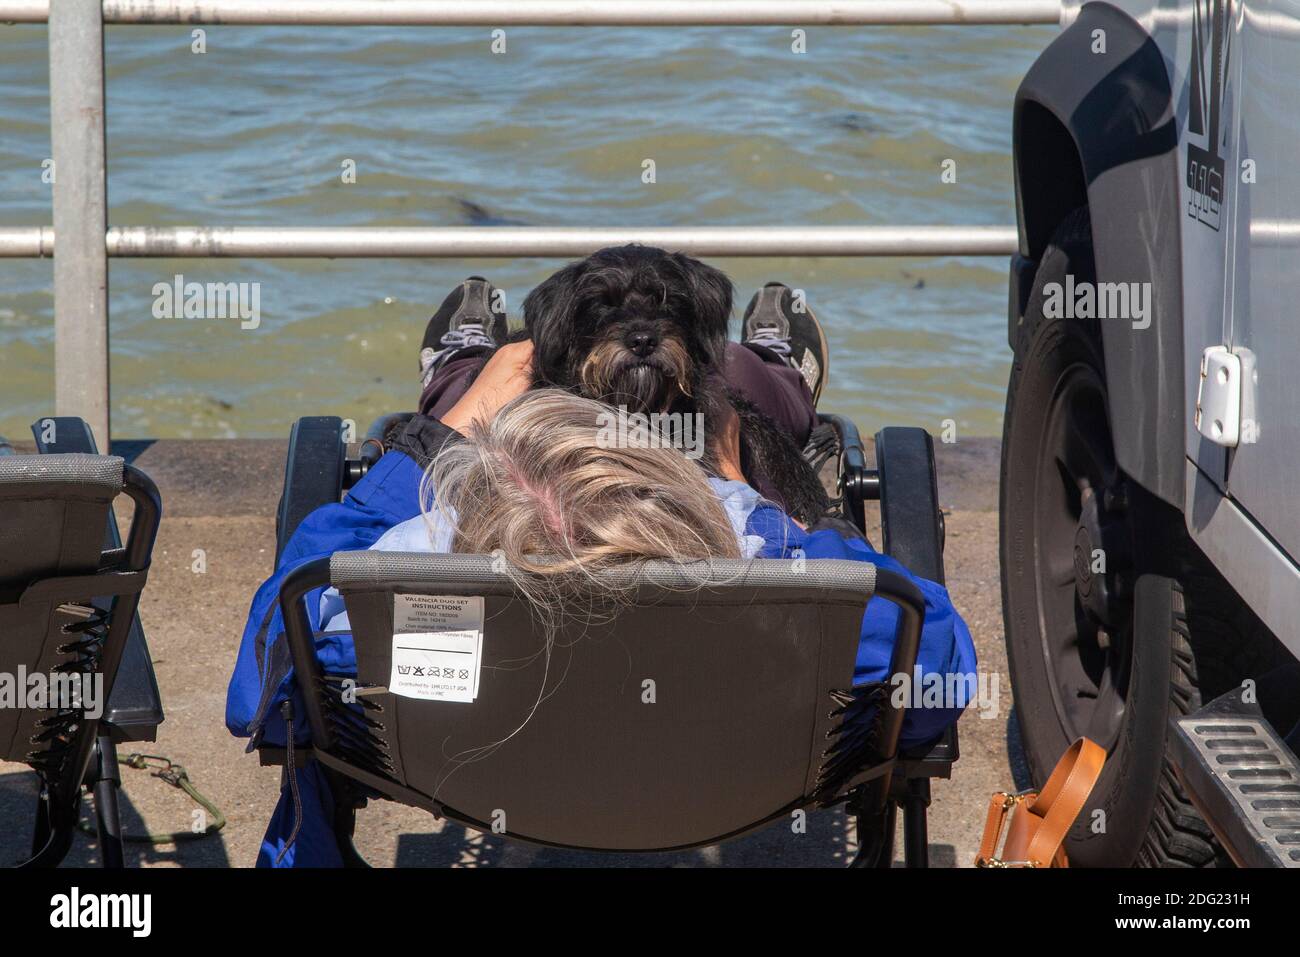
1100 300
133 912
56 691
209 300
621 429
950 691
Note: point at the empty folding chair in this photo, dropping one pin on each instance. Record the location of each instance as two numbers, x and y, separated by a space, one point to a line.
68 599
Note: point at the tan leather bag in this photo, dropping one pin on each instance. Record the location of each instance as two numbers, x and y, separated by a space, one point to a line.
1041 819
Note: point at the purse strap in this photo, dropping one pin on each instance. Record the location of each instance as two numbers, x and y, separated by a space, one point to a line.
1063 797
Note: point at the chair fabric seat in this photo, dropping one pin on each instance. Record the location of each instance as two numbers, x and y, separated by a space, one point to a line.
687 715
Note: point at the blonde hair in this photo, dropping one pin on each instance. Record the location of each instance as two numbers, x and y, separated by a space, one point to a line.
541 486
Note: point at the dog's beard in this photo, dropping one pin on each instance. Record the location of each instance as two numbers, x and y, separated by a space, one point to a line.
611 373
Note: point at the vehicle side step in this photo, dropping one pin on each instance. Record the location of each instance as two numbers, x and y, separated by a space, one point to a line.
1243 780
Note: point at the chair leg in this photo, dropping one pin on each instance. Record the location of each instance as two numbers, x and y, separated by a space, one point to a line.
42 828
875 814
916 838
56 826
345 820
104 780
876 838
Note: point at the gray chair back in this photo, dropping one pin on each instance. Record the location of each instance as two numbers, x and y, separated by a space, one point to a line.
708 704
53 568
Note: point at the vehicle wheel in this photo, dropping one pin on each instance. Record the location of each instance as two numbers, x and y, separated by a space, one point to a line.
1089 559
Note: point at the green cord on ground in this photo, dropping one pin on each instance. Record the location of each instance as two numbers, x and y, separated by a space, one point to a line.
175 775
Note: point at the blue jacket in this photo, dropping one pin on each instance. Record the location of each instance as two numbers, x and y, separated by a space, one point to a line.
387 496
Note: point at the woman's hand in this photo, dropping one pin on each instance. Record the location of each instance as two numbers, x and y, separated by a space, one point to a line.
507 375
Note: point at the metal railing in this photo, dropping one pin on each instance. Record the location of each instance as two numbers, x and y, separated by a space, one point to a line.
518 13
499 242
76 42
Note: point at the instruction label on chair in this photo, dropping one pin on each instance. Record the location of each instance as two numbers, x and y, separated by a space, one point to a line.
437 647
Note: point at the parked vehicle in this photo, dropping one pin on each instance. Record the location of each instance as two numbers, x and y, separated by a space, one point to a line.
1150 525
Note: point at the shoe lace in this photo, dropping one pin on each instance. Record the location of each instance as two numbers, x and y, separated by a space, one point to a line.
769 336
453 340
469 334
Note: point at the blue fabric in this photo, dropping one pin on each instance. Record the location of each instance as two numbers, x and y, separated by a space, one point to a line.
389 495
314 845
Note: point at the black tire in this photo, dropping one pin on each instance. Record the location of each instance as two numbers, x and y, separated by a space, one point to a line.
1070 623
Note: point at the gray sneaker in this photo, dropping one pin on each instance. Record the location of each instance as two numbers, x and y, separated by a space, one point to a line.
468 318
775 321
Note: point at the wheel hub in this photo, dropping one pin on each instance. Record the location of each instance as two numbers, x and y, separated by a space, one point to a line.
1083 555
1083 563
1101 558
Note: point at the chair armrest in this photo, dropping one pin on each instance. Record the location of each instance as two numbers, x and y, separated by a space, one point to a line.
373 446
313 473
933 760
910 520
302 649
857 483
912 532
134 705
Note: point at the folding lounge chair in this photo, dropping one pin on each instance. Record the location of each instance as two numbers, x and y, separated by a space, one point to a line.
753 717
68 598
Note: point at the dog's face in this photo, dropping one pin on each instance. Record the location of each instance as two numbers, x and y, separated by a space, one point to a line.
630 325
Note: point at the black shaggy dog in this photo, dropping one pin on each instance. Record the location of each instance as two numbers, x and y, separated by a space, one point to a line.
647 329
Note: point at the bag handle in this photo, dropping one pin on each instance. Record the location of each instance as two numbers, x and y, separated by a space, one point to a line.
1063 797
999 806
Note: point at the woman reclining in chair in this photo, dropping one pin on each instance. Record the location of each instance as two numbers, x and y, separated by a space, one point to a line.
490 466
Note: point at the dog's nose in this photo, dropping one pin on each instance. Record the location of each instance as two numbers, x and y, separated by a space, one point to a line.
642 343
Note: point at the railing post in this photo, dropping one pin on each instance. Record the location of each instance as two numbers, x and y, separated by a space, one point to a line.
76 34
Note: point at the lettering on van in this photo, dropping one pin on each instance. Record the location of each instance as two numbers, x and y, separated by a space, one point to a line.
1207 78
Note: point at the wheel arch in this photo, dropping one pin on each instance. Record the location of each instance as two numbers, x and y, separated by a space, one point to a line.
1098 128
